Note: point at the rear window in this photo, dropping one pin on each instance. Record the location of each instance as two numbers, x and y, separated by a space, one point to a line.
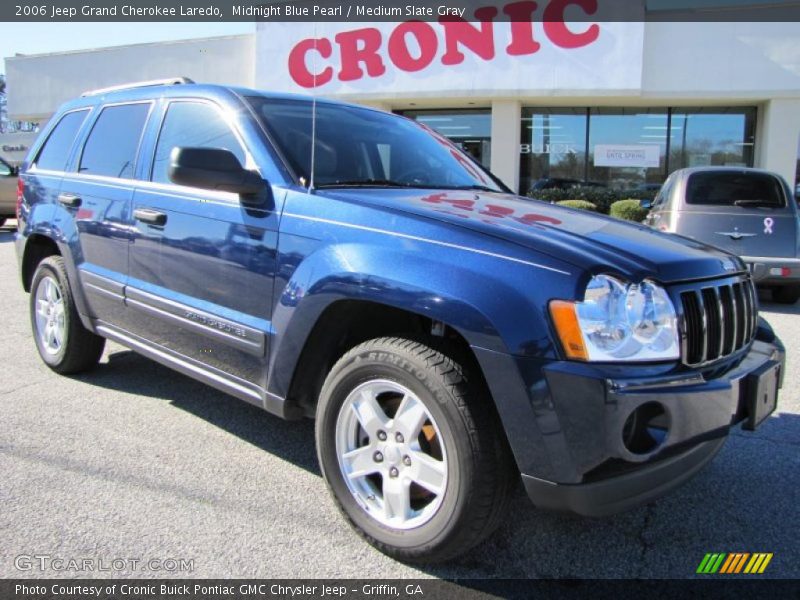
55 152
114 141
735 188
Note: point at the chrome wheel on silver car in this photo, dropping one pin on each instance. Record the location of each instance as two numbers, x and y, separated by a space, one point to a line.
390 454
51 324
411 449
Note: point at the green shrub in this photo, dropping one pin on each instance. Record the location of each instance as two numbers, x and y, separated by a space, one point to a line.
579 204
601 197
629 210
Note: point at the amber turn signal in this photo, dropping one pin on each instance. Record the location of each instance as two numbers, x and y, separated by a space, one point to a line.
565 319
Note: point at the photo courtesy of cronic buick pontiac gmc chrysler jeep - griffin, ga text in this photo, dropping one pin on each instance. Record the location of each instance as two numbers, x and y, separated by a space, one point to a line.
450 338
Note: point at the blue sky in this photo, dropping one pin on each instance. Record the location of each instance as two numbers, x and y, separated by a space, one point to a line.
40 38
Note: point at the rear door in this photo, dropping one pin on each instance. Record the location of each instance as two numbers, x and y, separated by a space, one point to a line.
745 212
98 194
42 179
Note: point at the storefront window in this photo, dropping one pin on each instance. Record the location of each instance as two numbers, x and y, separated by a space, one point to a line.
552 148
713 136
629 148
469 129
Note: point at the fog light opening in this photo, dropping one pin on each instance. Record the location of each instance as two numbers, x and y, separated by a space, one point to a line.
646 428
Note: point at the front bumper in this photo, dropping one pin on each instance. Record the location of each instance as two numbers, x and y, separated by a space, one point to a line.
767 270
572 451
609 496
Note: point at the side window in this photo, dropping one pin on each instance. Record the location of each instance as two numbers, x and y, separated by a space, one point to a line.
114 141
5 170
55 152
192 125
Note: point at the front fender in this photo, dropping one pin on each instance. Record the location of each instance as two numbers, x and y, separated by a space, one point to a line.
487 306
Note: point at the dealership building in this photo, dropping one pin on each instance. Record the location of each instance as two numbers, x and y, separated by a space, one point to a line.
621 104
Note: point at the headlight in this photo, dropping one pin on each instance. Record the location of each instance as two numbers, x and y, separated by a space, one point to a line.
618 322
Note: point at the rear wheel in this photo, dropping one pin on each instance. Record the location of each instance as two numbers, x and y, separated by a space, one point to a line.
787 294
412 451
64 344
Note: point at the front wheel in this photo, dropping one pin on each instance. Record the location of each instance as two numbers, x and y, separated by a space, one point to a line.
64 344
412 450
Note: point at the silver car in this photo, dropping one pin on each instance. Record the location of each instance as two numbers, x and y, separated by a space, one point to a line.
749 212
8 191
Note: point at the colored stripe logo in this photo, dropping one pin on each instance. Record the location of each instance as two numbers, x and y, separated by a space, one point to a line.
734 562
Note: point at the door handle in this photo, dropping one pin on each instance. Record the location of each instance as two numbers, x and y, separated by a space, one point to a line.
70 200
150 216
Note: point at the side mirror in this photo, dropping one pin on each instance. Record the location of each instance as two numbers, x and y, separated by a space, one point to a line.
646 203
213 169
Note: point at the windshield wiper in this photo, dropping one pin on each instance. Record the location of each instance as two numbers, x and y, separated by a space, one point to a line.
756 203
366 183
401 184
474 186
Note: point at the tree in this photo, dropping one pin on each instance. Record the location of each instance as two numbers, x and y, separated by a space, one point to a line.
3 111
7 126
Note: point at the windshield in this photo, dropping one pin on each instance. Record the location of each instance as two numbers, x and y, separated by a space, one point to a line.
363 147
734 188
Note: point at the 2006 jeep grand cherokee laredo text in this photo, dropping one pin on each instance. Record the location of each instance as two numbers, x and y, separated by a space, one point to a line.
447 335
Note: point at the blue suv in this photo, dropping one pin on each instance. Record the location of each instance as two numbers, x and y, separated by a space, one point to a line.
331 261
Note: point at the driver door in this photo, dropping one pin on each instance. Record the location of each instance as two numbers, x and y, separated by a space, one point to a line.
202 264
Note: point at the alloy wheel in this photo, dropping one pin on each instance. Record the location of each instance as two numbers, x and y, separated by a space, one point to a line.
391 454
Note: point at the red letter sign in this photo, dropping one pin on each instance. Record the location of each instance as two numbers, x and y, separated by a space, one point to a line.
398 48
522 42
360 46
297 63
557 30
458 31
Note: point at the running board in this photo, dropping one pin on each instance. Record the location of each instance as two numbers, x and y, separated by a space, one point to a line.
244 391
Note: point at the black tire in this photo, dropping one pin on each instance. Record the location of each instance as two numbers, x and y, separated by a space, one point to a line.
80 349
480 469
786 294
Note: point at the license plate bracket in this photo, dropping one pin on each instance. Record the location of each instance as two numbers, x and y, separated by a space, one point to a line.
761 393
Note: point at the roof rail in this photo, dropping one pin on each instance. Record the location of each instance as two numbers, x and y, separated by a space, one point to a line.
129 86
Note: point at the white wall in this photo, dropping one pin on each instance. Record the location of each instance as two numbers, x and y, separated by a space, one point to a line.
721 60
506 132
39 84
777 140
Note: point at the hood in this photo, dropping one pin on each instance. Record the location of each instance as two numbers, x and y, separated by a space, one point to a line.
586 240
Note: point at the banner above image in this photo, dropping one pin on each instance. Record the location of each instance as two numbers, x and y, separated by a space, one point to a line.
541 54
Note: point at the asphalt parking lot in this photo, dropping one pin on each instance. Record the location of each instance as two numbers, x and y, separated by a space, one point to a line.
135 461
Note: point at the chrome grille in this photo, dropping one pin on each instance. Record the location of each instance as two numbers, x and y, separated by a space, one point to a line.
718 320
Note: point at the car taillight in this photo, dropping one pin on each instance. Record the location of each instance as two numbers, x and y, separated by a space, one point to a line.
20 196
